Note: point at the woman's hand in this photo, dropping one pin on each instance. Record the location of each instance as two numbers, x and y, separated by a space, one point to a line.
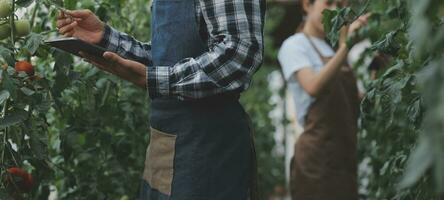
82 24
349 32
358 23
314 82
129 70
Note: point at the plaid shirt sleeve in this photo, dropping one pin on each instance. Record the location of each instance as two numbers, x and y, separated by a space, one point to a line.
126 46
235 53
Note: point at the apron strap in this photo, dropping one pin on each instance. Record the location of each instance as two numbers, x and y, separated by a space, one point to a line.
323 58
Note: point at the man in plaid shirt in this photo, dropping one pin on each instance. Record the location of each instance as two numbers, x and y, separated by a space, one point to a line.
203 54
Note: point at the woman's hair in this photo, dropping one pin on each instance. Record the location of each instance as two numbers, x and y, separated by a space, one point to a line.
301 7
301 4
304 13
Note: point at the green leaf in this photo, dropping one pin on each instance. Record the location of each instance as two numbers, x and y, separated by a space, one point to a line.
419 162
13 118
33 43
334 20
63 61
7 54
327 18
70 4
27 91
60 84
439 166
44 106
4 94
4 194
38 147
387 44
8 84
23 3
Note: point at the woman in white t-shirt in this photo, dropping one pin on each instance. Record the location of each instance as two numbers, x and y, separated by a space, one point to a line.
326 99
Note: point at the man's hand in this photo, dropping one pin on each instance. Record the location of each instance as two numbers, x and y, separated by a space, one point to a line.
82 24
129 70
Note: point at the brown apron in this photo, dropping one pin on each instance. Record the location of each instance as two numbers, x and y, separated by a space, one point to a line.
325 161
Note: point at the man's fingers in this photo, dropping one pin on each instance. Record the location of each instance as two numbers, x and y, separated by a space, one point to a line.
114 58
61 15
63 22
119 60
69 34
68 28
96 59
96 62
111 56
79 13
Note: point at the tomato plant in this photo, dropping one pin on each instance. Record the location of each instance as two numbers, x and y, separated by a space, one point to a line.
403 103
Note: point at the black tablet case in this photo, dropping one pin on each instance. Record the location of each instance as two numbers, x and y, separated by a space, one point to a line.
74 46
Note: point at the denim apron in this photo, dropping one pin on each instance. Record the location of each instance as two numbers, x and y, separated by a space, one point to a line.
201 149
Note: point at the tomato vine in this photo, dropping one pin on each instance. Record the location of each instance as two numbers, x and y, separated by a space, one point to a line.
404 103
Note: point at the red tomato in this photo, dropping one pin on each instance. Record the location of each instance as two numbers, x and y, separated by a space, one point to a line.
24 66
25 181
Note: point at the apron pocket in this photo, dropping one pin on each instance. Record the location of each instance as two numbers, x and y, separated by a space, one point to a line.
159 162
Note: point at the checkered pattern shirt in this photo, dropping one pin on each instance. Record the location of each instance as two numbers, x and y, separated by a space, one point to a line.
234 35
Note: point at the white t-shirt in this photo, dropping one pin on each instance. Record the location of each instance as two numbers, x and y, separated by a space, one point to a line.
295 54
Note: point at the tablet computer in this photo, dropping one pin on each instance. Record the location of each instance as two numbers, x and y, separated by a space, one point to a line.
74 46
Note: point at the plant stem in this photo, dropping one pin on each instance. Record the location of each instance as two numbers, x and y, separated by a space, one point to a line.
34 13
12 24
4 147
105 95
12 156
4 131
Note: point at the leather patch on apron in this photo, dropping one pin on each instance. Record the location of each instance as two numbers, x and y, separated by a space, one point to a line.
159 162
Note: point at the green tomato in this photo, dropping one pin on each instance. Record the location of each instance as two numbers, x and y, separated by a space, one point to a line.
5 8
22 27
5 31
